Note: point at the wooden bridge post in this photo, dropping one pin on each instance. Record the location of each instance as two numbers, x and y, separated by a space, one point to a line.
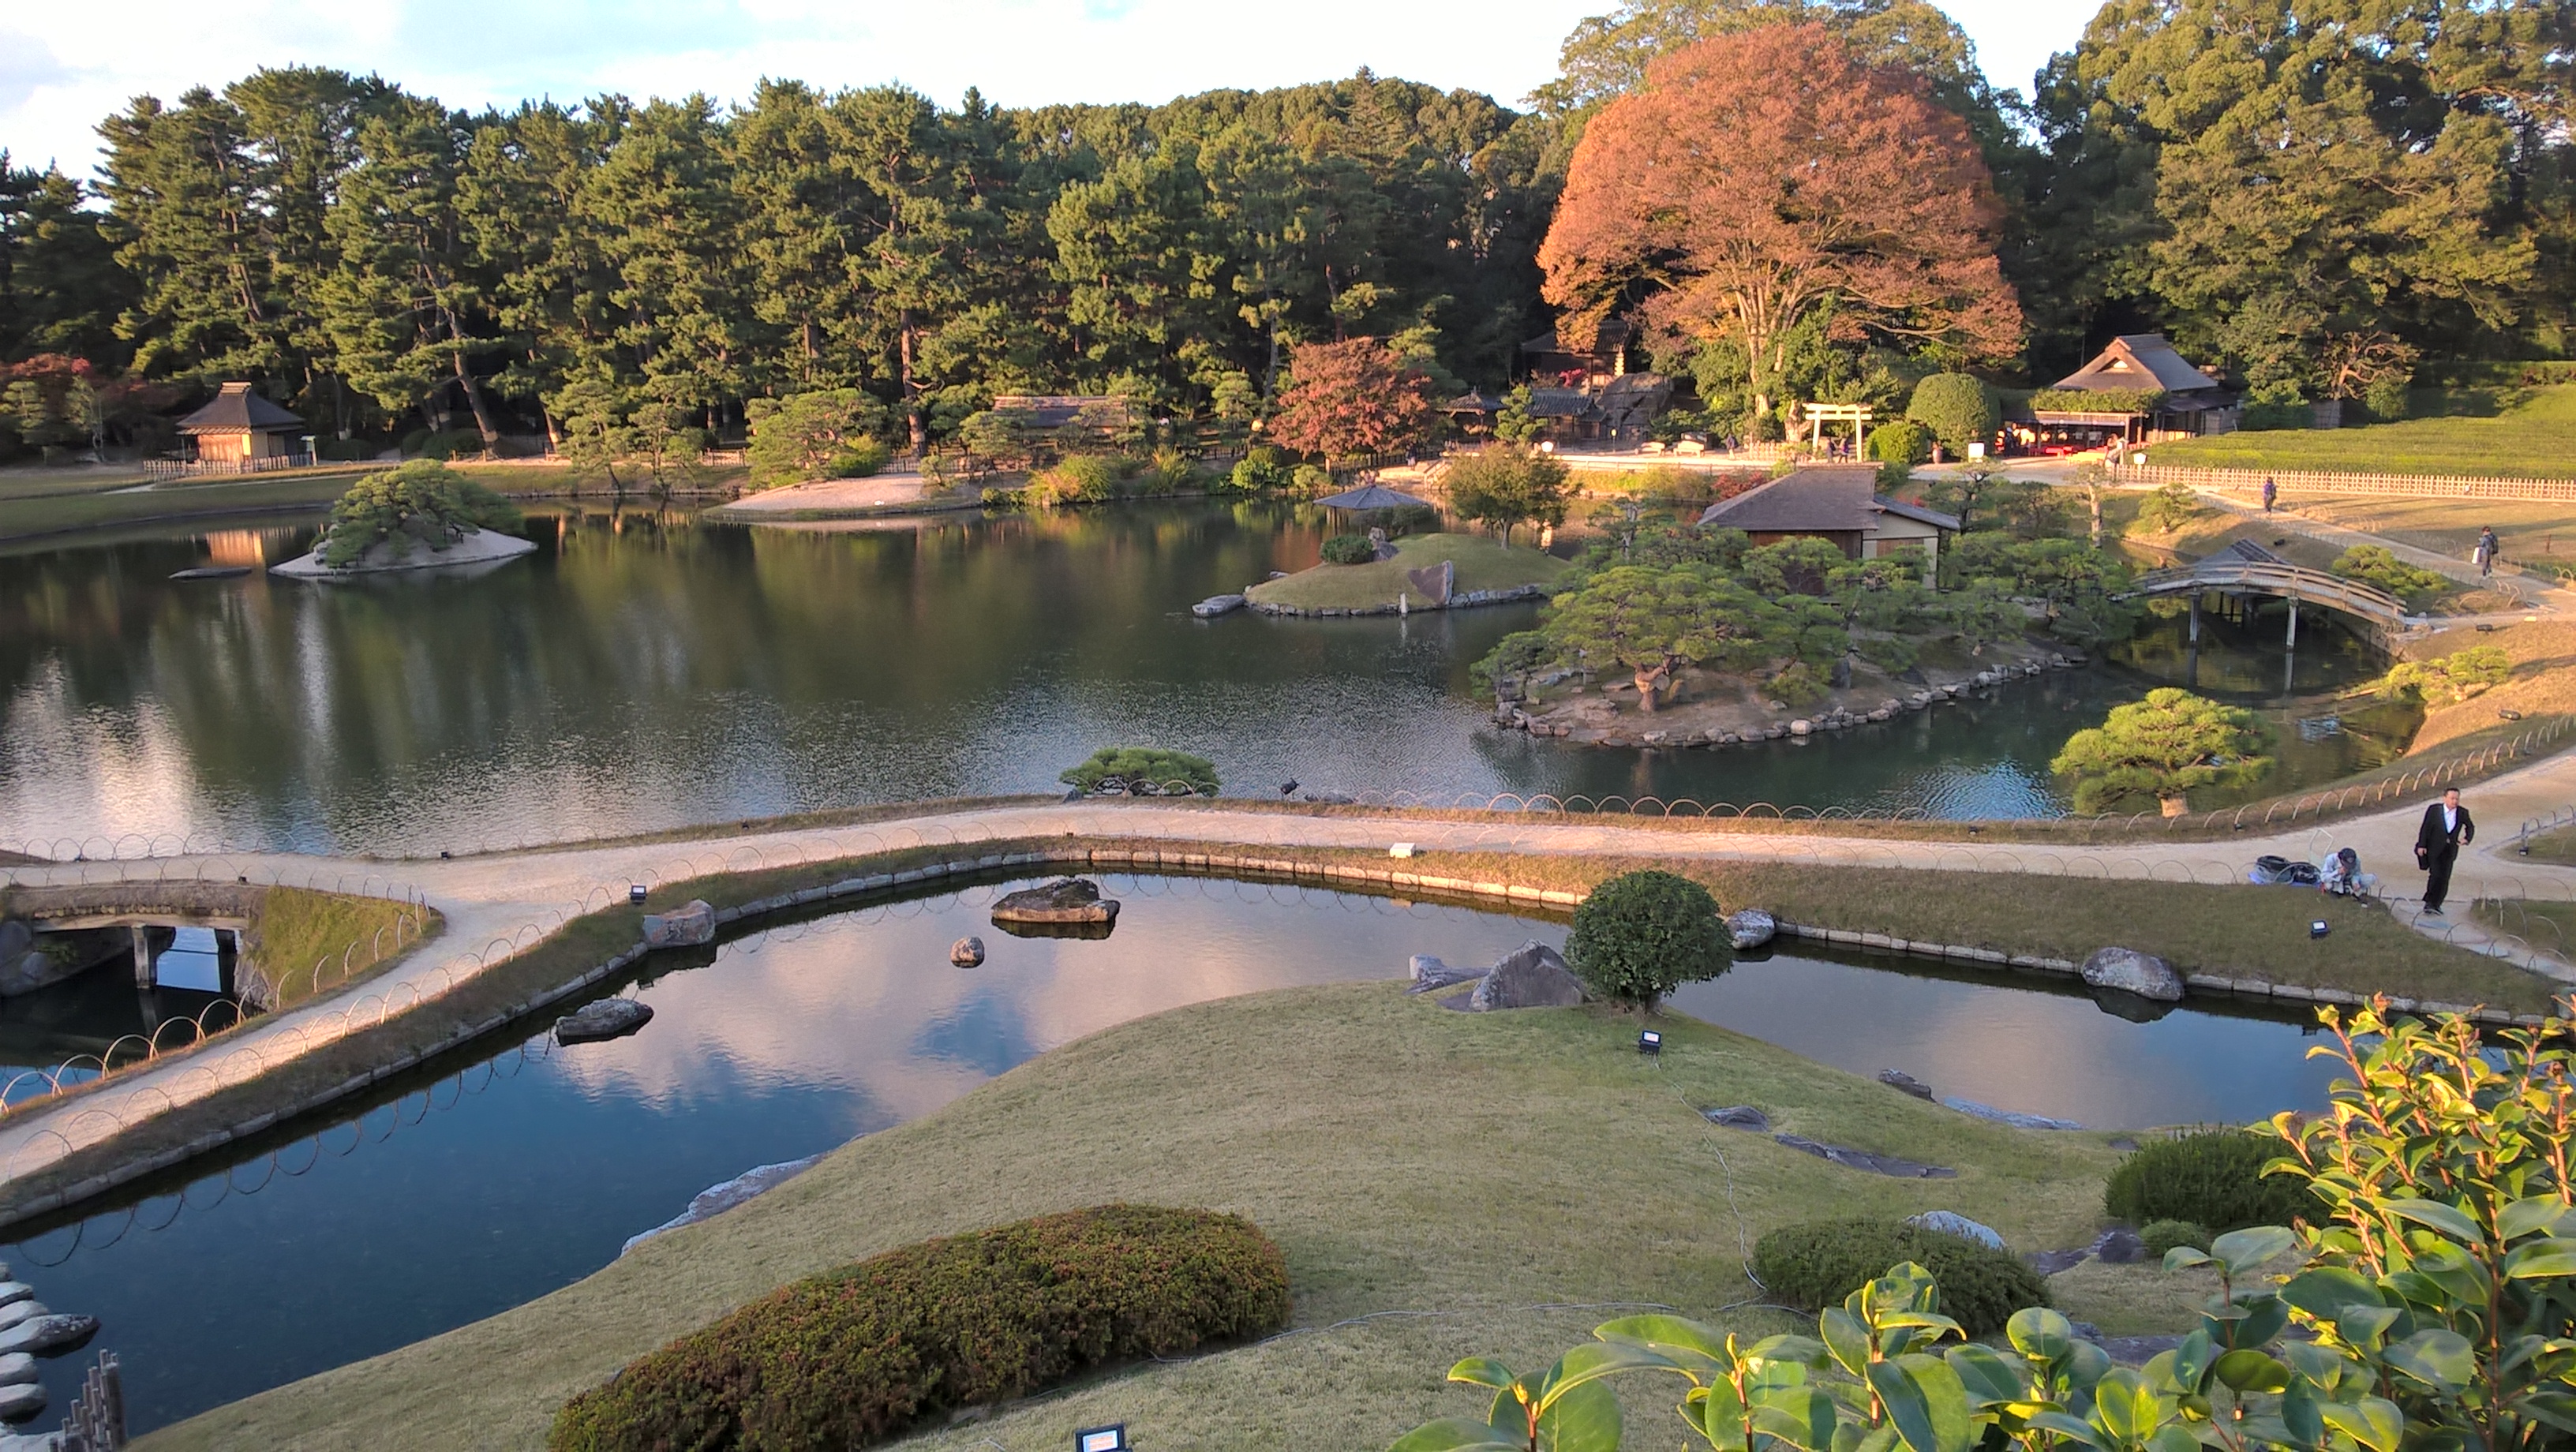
2195 618
142 956
2294 620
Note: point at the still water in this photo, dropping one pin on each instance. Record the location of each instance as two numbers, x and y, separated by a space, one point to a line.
513 1173
644 671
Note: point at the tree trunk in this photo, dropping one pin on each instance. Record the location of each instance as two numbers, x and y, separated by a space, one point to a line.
474 400
918 429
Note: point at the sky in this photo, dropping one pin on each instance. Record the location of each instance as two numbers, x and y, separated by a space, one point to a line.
67 64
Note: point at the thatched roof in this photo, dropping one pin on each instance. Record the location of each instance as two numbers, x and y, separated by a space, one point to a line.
236 409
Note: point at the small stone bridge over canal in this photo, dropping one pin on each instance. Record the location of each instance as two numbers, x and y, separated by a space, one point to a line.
2246 568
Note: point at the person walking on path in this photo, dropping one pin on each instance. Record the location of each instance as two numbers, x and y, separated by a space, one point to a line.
2488 548
2271 492
2447 828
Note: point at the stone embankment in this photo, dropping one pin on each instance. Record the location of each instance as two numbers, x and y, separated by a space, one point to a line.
1515 716
1464 599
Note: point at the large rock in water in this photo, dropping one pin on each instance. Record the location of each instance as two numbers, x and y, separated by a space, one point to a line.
607 1018
967 952
1751 928
1533 977
2131 971
689 927
49 1335
21 1400
1065 900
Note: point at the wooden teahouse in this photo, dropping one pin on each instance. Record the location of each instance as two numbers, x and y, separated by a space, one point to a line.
241 428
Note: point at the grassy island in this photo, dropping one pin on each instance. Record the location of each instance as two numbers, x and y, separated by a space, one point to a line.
1408 1159
1483 564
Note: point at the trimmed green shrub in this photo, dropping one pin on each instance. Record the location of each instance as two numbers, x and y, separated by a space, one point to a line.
1081 479
2164 1235
1817 1264
1798 684
859 1354
1959 410
1349 549
2377 565
1642 934
1900 443
1143 771
2212 1178
2275 416
1262 470
858 460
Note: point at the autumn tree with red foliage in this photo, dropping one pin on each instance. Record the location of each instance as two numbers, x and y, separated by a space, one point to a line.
1352 398
1766 178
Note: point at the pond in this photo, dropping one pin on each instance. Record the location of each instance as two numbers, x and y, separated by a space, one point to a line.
520 1167
645 670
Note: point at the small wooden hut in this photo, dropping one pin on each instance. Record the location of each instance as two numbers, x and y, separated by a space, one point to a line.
239 428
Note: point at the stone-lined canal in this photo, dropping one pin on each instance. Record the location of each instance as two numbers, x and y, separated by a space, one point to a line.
507 1174
645 670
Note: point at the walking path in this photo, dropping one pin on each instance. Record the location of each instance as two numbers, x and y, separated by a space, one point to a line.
496 904
2530 593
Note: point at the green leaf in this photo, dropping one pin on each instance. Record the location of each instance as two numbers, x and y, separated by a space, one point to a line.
1483 1371
2373 1422
1667 1334
2323 1291
2124 1406
2243 1250
1716 1413
2552 1257
1988 1374
2073 1428
2438 1357
1846 1338
2252 1371
1802 1350
1801 1416
2300 1417
2040 1333
2363 1326
2437 1217
1926 1401
2173 1437
2553 1409
1453 1434
1584 1418
2524 1217
2191 1361
2183 1257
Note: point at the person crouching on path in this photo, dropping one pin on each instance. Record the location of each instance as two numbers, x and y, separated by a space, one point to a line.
2447 828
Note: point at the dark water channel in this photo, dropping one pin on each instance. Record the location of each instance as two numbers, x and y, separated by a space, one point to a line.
503 1175
644 670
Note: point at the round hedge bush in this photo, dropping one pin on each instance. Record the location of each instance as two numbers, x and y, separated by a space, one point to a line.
2212 1178
859 1354
1642 934
1349 549
2164 1235
1818 1264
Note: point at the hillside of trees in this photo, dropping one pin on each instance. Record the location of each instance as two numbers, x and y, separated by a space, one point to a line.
2276 186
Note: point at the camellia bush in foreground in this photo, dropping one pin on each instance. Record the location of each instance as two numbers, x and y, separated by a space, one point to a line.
2425 1307
859 1354
1642 934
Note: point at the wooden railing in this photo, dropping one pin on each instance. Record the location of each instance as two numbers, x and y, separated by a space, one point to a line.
2312 481
2278 577
191 468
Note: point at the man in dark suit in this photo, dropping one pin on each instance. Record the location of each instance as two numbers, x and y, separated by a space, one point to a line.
2446 830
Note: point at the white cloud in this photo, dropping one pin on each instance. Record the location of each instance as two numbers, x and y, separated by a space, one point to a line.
69 65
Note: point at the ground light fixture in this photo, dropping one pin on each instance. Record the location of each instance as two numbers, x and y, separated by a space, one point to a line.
2319 928
635 894
1102 1439
1650 1042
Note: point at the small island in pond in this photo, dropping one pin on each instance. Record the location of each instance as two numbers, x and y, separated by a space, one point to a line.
417 516
1474 570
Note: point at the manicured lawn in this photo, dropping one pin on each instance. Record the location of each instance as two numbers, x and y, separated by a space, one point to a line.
2536 534
2532 434
62 507
1457 1170
1483 564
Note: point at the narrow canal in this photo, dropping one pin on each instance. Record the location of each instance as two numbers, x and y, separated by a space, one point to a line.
510 1173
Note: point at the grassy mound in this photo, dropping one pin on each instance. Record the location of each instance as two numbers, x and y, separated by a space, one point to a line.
1483 564
1405 1158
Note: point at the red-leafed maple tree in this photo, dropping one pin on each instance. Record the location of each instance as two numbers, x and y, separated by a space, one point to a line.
1352 398
1762 176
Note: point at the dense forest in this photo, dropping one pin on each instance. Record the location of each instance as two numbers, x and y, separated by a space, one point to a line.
2279 185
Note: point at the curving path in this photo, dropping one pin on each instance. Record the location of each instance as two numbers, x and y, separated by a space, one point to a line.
496 904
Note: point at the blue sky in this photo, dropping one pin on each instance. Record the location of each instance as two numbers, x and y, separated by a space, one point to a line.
64 64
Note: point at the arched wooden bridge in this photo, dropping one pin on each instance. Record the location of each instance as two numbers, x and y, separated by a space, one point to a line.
2248 569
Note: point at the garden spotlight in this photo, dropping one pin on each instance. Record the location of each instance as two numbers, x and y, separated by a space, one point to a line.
1102 1439
1651 1043
2319 928
635 894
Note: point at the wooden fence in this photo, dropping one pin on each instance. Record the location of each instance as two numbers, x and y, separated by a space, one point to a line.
2310 481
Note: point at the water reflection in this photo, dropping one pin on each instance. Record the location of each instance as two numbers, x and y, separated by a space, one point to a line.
643 670
480 1185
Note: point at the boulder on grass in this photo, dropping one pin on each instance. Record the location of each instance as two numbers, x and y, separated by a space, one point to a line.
689 927
1951 1222
1533 977
2131 971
